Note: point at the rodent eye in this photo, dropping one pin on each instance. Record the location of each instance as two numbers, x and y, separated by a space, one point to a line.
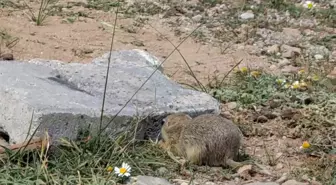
163 121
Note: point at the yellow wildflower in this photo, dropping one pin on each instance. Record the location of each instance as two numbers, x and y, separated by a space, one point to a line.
244 70
296 85
315 77
305 145
280 81
302 71
109 169
255 74
303 84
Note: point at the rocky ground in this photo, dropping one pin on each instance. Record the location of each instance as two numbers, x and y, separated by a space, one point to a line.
270 38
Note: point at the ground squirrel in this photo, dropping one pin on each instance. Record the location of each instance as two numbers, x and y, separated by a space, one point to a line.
207 139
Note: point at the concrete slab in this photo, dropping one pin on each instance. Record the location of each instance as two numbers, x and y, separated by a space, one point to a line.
67 97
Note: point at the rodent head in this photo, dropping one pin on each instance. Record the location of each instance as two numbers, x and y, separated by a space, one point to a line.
172 126
174 119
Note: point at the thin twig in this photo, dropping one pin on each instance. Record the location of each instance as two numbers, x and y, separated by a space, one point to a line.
107 72
185 61
227 74
150 77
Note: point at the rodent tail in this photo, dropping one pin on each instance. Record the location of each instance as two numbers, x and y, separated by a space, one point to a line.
233 164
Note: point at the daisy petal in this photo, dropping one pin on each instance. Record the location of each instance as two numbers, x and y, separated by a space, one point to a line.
116 170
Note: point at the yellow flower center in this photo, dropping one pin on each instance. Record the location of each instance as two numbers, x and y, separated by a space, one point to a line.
296 86
303 84
255 73
301 71
123 170
315 78
243 69
305 144
310 5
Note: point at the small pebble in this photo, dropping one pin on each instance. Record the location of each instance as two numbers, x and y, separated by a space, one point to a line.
279 166
318 57
162 171
262 119
197 18
247 15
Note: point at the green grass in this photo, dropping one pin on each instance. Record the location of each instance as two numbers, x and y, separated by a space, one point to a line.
104 5
247 90
84 163
46 7
333 181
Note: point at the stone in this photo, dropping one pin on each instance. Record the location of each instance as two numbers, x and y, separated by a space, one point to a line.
332 76
197 18
261 119
333 55
210 183
283 178
226 114
318 51
290 69
275 103
138 43
148 180
318 57
305 177
244 172
262 183
290 36
66 98
294 182
273 67
247 15
273 49
313 182
7 56
305 23
284 62
231 105
162 171
289 51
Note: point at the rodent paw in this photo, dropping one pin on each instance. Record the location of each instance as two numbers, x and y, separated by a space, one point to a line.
162 144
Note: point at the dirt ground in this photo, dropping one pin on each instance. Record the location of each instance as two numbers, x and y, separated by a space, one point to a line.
78 34
87 38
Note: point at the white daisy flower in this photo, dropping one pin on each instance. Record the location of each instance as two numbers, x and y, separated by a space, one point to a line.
309 4
123 171
296 85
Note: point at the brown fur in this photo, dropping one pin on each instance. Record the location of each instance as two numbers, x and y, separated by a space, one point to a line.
205 140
